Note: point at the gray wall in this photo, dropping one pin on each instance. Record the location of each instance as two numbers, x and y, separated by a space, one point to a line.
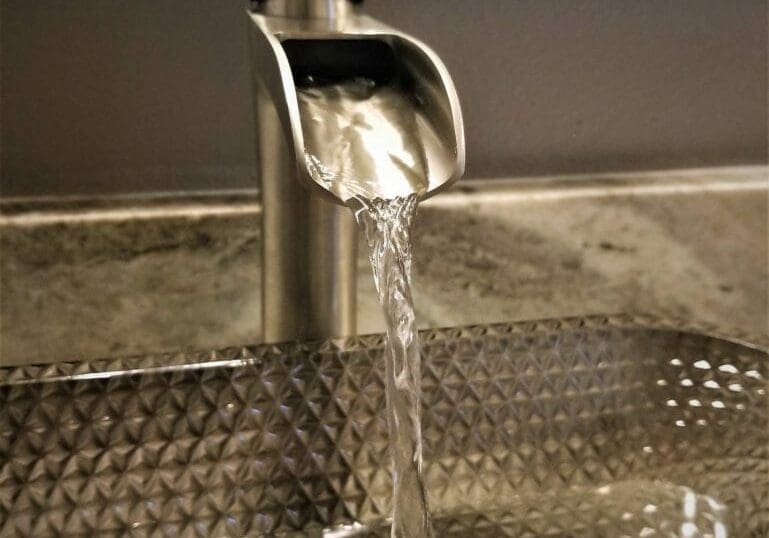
129 95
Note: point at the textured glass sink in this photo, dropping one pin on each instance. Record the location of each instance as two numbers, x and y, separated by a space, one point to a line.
581 427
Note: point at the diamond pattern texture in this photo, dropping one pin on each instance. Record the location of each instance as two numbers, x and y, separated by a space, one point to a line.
525 427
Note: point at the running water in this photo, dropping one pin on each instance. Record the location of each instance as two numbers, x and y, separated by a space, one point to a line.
365 140
387 228
366 144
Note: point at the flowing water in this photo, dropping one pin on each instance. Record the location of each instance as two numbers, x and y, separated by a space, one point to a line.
364 140
367 145
387 228
363 143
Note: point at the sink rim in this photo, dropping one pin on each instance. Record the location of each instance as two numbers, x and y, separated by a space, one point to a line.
250 354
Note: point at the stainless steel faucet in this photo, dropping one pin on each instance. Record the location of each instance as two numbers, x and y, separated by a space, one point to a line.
309 239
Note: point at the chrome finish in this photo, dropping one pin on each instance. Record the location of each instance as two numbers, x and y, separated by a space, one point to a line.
310 241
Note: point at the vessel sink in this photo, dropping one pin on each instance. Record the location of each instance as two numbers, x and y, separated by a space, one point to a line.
580 427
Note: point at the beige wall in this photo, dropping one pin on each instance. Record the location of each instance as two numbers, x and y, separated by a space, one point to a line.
127 95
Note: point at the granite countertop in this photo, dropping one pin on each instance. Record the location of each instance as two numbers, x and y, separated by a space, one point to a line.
87 278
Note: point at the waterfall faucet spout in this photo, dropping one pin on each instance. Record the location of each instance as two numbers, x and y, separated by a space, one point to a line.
309 239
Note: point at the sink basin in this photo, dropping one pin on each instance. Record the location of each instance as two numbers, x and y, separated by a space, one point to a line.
597 426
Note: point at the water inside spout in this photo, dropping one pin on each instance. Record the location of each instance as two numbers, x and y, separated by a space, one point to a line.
363 144
366 140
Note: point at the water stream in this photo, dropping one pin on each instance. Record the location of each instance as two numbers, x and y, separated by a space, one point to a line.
387 228
367 144
363 144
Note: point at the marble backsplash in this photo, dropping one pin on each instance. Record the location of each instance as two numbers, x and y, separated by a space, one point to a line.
87 278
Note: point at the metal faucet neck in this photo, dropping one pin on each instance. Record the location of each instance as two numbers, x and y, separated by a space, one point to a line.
309 239
306 9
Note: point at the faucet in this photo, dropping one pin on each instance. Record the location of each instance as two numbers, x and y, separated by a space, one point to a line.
309 252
